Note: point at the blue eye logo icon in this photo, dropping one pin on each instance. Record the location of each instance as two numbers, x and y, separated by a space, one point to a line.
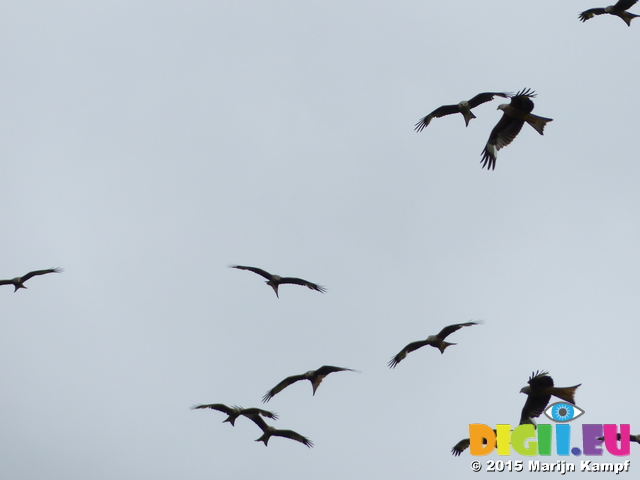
563 412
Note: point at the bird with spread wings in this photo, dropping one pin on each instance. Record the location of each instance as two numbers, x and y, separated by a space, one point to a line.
516 113
436 341
268 431
619 10
539 391
274 281
18 282
463 107
314 376
234 412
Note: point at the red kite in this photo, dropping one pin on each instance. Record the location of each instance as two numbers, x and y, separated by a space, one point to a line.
539 393
619 10
433 340
269 431
463 107
18 282
314 376
235 411
515 115
275 280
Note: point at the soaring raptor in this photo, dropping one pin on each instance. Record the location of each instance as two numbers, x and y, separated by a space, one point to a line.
274 281
463 107
18 282
433 340
539 392
515 115
619 10
234 412
314 376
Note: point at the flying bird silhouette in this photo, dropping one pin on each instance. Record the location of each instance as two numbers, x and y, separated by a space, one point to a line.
234 412
18 282
433 340
269 431
619 10
463 107
314 376
539 391
275 280
515 115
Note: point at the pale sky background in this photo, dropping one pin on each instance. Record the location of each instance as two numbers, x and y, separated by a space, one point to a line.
148 145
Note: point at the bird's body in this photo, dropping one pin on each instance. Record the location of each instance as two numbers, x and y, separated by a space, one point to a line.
514 117
463 107
18 282
618 10
436 341
274 281
268 431
234 412
314 376
539 391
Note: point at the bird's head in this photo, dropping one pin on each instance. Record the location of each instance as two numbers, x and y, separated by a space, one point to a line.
526 390
503 106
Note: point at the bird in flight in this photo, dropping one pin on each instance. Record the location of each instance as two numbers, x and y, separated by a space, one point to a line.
18 282
269 431
619 10
314 376
463 107
276 280
539 391
234 412
433 340
515 115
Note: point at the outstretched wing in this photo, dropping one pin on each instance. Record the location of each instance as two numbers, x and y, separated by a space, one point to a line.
258 420
258 411
540 381
533 407
437 113
327 369
446 331
502 135
6 282
587 14
293 436
281 386
259 271
485 97
460 447
403 353
40 272
625 4
215 406
305 283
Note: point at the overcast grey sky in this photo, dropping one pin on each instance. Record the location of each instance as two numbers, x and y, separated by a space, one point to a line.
148 145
